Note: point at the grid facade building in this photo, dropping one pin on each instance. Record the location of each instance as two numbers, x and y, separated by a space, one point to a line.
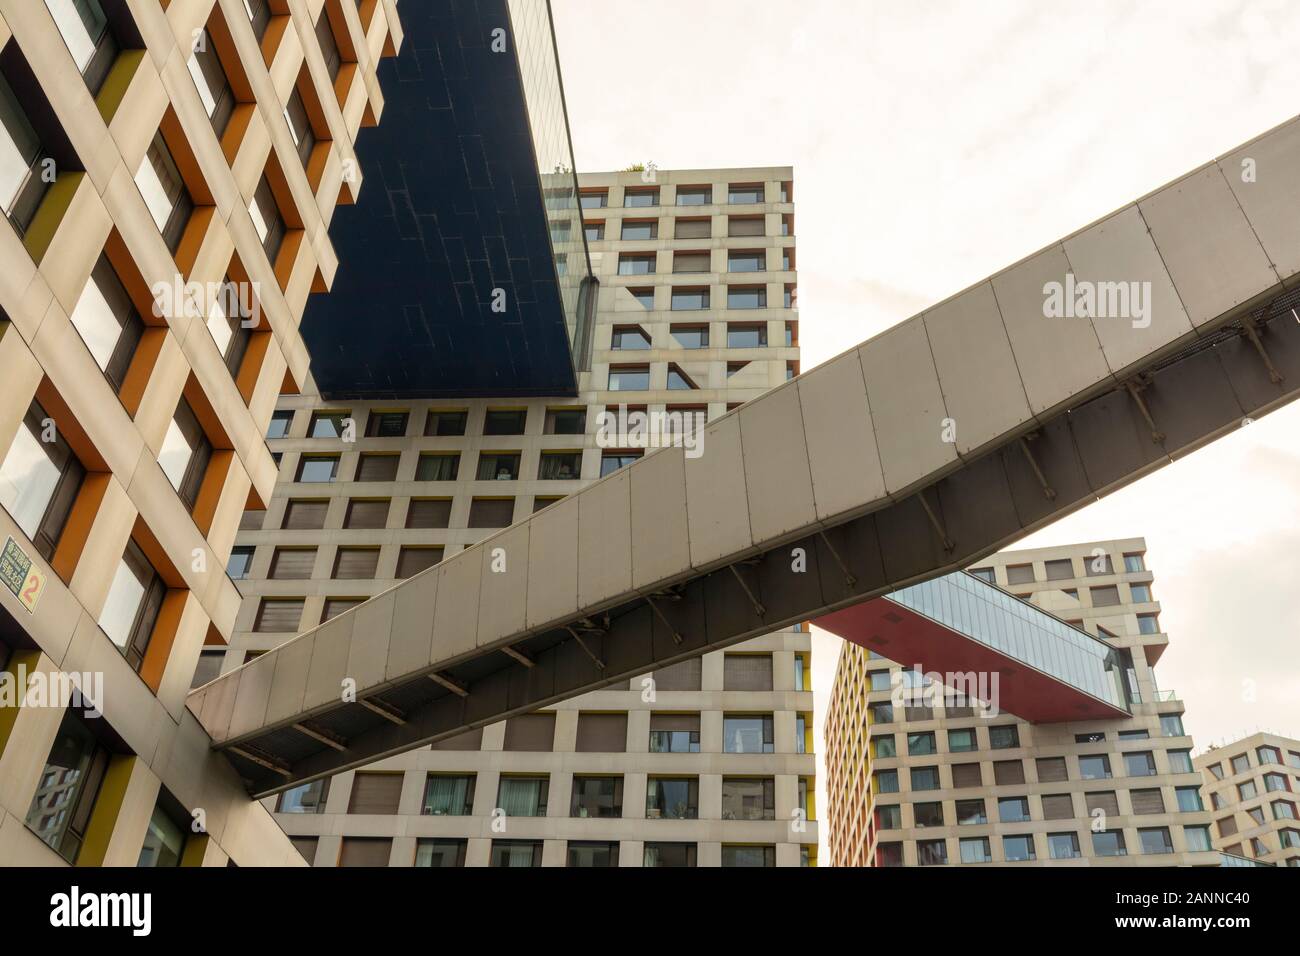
705 763
1252 787
168 171
917 785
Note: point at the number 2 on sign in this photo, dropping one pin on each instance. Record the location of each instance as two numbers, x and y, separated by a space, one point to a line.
32 588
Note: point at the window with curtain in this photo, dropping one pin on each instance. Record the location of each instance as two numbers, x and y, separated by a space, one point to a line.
449 796
512 853
523 796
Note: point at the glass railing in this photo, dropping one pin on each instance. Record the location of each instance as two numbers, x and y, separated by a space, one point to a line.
1231 859
1017 629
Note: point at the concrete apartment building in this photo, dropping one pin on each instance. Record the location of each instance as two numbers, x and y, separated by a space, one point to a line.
1251 787
909 786
706 763
168 171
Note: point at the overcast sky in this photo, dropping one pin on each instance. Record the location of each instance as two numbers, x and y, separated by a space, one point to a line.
935 143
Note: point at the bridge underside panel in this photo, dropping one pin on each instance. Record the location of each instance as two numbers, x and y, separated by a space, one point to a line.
901 634
756 534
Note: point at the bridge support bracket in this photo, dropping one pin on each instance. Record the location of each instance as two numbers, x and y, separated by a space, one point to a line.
948 545
677 637
758 605
1048 491
583 644
1135 392
1251 332
849 579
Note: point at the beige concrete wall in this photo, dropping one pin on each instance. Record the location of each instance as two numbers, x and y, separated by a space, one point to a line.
40 285
1251 787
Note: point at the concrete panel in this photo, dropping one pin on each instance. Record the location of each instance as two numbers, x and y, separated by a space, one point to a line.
1119 250
840 439
455 622
292 664
717 507
553 563
1057 357
777 475
1270 201
254 694
977 370
1207 244
907 405
503 592
661 544
411 644
329 662
605 539
368 654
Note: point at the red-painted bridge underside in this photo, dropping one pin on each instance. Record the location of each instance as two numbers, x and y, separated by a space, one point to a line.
902 635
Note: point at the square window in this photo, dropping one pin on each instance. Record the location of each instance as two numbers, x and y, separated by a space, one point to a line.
1018 849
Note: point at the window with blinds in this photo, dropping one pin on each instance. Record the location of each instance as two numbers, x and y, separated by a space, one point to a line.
967 775
530 732
305 515
745 225
685 675
1008 771
693 229
367 513
411 561
429 513
252 520
356 563
278 615
1103 800
1020 573
335 606
1052 770
602 733
1058 806
1227 826
747 672
364 851
378 467
1147 801
292 564
491 512
691 262
375 793
470 740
